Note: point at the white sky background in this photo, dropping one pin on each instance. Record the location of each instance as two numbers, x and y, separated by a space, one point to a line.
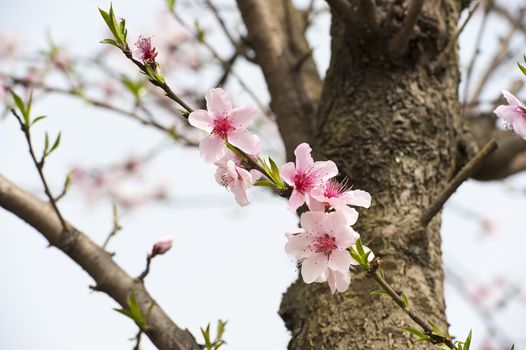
227 262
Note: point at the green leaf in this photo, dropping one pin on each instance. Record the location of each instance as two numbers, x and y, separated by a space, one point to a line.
265 183
221 325
522 68
200 32
46 145
206 336
379 292
110 41
359 247
67 182
37 119
136 87
421 335
21 107
436 330
405 302
55 144
171 5
512 347
467 343
134 311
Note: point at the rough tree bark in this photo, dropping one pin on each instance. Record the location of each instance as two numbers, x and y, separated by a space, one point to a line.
393 127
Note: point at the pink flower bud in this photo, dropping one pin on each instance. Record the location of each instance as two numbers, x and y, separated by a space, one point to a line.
162 246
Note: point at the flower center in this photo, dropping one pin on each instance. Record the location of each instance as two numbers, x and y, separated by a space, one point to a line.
304 182
325 244
226 179
222 126
334 188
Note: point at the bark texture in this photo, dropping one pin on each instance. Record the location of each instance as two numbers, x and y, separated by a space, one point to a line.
393 127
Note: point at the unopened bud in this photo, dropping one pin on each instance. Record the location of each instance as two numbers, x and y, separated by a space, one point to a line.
162 246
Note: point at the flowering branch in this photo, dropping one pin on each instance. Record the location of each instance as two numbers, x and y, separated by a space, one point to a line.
467 170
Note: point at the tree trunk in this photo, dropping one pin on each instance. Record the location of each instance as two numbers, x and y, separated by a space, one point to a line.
393 127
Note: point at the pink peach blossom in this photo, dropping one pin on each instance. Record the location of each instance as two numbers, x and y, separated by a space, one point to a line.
230 175
305 175
514 114
225 124
145 51
321 248
336 195
162 246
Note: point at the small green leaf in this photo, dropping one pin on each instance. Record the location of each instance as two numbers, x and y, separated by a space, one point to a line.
55 144
405 302
171 5
421 335
436 330
200 32
522 68
265 183
46 144
221 325
21 107
467 343
512 347
67 182
37 119
134 311
379 292
359 247
110 41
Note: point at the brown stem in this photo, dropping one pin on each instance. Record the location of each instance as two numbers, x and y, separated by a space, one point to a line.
109 277
146 271
398 43
464 173
373 272
39 164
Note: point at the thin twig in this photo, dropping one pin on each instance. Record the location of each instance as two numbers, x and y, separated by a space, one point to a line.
224 63
116 227
398 44
373 272
147 269
454 39
138 340
462 176
39 164
476 53
215 12
498 58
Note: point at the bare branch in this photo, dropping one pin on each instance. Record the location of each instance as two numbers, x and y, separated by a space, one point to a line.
466 171
294 94
398 44
109 277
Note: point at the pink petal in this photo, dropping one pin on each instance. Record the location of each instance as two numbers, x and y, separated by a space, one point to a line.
324 170
508 113
245 176
314 222
201 120
338 281
288 171
296 200
245 141
318 194
315 205
240 193
350 213
313 267
231 169
512 100
217 102
298 245
212 148
242 117
303 157
340 260
358 198
520 127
